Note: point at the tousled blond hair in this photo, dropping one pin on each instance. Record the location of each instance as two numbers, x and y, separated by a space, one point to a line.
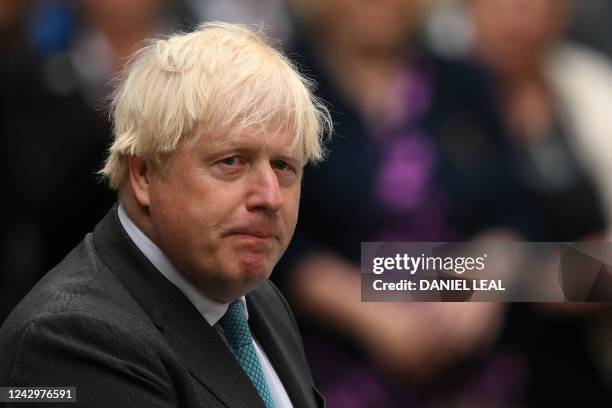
207 82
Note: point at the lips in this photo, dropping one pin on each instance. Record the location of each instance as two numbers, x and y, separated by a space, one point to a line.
260 232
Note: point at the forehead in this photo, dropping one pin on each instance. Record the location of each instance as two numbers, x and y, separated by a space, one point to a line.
275 142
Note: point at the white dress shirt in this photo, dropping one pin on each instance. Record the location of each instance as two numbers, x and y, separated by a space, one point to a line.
210 309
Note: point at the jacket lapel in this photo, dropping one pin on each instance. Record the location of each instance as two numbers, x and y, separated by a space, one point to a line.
261 316
198 344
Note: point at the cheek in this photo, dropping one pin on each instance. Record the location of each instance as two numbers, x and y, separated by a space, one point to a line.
175 217
170 206
292 206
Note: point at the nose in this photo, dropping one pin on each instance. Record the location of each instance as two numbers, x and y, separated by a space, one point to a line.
264 190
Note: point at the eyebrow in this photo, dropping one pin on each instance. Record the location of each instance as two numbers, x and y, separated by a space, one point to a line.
293 159
252 149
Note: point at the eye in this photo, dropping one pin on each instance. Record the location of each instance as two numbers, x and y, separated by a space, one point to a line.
281 165
230 161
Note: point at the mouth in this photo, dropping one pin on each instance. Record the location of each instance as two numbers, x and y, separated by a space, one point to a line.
254 234
251 238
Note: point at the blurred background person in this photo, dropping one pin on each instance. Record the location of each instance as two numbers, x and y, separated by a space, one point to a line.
555 97
54 128
426 150
419 155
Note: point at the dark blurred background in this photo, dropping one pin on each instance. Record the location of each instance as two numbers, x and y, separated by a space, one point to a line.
454 120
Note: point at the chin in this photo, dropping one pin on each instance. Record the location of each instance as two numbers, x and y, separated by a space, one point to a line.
242 281
237 280
254 268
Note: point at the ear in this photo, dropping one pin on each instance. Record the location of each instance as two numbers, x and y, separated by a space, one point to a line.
140 174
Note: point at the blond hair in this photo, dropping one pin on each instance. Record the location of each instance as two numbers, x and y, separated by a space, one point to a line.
207 82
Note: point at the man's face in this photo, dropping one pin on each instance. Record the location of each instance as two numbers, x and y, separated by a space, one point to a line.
227 208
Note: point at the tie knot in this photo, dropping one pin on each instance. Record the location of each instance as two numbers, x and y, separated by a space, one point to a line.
235 325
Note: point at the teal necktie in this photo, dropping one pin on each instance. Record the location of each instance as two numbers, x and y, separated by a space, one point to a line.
238 334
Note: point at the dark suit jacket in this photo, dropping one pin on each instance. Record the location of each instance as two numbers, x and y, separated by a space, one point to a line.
107 322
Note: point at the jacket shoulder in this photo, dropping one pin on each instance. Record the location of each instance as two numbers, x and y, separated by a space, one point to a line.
80 282
76 317
107 363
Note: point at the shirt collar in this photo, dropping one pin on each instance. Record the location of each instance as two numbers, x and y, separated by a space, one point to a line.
210 309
